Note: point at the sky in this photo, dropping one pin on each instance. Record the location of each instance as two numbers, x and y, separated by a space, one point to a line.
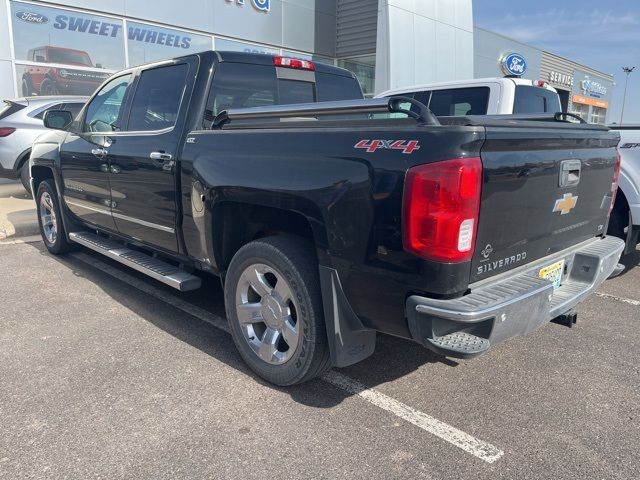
604 35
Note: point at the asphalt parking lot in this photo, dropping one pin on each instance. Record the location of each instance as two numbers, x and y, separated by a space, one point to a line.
105 374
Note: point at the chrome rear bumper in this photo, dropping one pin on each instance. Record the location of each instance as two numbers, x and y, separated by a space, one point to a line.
511 304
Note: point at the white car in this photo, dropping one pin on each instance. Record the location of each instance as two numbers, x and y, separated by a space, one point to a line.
625 217
484 96
21 124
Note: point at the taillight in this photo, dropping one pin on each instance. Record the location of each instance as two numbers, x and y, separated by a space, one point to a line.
540 84
293 63
441 208
616 180
6 131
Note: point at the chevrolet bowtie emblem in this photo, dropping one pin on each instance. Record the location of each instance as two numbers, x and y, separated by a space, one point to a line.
565 204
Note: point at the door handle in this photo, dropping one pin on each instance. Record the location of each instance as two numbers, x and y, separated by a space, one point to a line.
160 156
99 152
165 159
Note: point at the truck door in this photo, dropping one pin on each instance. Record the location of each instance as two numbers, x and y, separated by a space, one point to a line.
143 158
83 156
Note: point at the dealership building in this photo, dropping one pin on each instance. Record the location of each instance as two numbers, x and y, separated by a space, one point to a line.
71 46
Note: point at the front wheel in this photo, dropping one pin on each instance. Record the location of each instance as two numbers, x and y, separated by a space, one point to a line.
274 307
49 87
27 89
50 219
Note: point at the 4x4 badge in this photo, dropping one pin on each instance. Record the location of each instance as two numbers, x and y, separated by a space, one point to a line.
565 204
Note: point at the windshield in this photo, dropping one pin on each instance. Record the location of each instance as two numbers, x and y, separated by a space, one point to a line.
69 56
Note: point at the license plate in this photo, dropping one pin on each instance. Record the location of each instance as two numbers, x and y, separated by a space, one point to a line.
553 273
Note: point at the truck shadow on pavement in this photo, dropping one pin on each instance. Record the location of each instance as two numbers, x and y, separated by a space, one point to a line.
385 365
630 262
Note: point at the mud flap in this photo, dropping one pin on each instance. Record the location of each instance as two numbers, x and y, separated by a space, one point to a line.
349 341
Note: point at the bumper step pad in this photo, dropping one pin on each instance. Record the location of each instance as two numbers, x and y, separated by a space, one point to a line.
157 269
460 344
512 304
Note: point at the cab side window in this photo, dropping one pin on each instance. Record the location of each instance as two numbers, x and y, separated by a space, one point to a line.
104 113
157 99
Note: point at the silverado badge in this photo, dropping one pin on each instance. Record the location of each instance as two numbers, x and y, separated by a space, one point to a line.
565 204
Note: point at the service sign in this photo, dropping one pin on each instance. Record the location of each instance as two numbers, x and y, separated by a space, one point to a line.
513 64
591 90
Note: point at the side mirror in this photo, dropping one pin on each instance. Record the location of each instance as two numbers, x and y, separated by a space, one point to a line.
57 119
98 65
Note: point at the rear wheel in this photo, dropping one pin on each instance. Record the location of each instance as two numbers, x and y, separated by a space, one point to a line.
620 224
274 307
50 219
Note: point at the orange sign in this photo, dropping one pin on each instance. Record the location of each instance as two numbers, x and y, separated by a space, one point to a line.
590 101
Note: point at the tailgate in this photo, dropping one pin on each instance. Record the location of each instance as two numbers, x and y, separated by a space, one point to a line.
546 188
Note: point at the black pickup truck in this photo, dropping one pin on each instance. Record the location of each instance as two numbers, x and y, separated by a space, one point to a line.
328 222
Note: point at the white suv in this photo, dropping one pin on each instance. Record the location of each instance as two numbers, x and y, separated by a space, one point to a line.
20 124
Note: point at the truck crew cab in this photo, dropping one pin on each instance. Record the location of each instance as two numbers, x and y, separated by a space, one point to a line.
326 223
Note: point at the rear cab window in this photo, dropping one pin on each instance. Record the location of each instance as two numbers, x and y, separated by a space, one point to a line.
529 99
243 85
459 101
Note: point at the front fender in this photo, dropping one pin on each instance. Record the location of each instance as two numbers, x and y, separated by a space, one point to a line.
45 154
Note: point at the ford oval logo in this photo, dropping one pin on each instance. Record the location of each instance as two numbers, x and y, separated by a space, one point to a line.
32 17
513 64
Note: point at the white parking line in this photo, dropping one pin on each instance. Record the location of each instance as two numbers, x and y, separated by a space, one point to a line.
482 450
619 299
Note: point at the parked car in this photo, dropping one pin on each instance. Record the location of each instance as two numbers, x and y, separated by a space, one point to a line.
326 230
625 218
52 80
485 96
20 124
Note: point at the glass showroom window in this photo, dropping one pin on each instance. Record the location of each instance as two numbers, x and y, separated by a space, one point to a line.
580 110
598 115
223 44
306 56
64 52
150 43
365 70
51 35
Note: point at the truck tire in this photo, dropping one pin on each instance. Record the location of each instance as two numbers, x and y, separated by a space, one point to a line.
620 225
274 306
49 87
27 88
50 219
